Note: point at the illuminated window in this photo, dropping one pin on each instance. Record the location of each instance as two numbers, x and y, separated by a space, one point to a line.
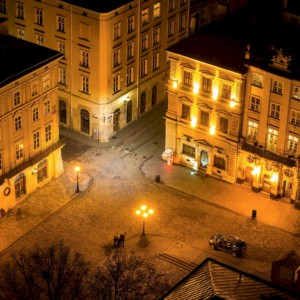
20 10
48 133
39 39
129 76
61 47
275 110
35 113
3 6
62 78
145 16
38 15
156 35
155 61
204 118
295 117
186 112
171 5
18 123
130 50
144 67
21 33
226 91
19 150
47 107
156 10
60 23
277 87
84 61
85 84
219 162
206 84
182 22
187 78
117 31
116 87
257 79
171 27
17 98
36 140
145 44
272 137
223 125
252 132
188 150
296 92
255 103
130 24
292 144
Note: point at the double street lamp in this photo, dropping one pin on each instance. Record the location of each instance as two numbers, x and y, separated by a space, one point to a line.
144 212
77 169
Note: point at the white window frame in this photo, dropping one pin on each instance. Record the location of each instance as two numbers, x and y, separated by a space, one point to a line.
272 138
295 117
293 143
20 13
296 92
62 76
144 67
47 107
85 84
187 78
61 47
226 90
84 58
252 132
117 30
60 23
156 36
277 87
19 150
16 98
275 110
36 140
18 122
117 57
48 133
255 103
39 16
130 50
130 24
257 79
129 75
116 83
35 114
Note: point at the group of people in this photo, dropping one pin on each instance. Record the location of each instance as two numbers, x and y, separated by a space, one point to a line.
119 240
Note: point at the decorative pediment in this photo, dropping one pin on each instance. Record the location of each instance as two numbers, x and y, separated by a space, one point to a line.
223 112
206 106
184 99
207 72
187 66
204 143
227 78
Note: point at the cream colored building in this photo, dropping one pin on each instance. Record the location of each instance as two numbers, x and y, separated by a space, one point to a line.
114 67
30 150
205 101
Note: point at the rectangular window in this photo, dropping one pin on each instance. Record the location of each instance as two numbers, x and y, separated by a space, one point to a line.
182 22
219 162
18 123
19 150
156 10
187 78
130 50
296 92
36 140
257 79
85 84
48 133
61 47
293 144
186 112
156 35
145 44
295 117
20 10
21 33
130 24
84 61
35 114
223 125
39 39
38 15
226 91
171 5
272 137
47 107
62 76
3 6
155 61
116 87
188 150
42 173
17 98
117 31
129 76
117 57
144 67
275 111
145 16
171 27
277 87
252 132
34 89
255 103
206 85
60 23
204 118
46 83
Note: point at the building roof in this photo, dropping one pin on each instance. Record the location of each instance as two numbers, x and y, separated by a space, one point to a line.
19 57
101 6
215 280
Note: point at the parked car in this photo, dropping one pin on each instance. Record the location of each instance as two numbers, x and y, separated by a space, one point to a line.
228 243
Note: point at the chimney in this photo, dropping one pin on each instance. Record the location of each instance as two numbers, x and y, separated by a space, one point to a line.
247 53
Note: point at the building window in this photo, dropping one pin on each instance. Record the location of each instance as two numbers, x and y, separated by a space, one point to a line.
145 16
204 118
129 76
145 44
186 112
293 144
60 23
48 133
187 78
34 89
223 125
35 114
188 150
277 87
20 10
17 98
206 84
171 5
38 15
47 107
117 31
226 91
275 110
19 150
155 61
36 140
182 22
272 137
117 58
257 79
156 35
46 83
296 92
129 112
144 67
156 10
252 132
219 162
130 24
3 6
116 87
85 84
171 28
21 33
18 123
62 78
39 39
61 47
130 50
42 171
84 61
295 117
182 2
255 103
62 112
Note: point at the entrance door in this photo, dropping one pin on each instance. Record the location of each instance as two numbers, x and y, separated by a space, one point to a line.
116 122
154 95
85 121
266 183
20 185
129 112
204 159
143 103
62 112
248 176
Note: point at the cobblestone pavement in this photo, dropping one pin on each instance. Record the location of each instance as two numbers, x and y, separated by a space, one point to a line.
116 178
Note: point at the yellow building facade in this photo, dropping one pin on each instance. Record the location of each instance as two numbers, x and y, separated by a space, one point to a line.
30 150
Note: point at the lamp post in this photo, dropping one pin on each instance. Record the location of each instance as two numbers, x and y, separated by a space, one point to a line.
144 211
77 169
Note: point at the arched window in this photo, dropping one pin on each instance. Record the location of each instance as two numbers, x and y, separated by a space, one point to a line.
116 122
62 112
154 95
129 111
85 121
143 103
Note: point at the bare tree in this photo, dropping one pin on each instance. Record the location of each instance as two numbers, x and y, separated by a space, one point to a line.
52 273
127 276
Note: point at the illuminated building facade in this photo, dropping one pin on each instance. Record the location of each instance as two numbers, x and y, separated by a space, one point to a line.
205 101
114 67
30 150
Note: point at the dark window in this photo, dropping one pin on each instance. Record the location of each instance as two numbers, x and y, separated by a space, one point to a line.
204 118
219 162
188 150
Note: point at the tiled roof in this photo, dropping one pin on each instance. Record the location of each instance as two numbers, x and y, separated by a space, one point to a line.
215 280
99 5
19 57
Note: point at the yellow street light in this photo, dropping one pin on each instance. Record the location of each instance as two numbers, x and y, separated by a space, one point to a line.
144 211
77 169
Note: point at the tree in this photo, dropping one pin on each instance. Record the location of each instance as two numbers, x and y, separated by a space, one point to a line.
127 276
52 273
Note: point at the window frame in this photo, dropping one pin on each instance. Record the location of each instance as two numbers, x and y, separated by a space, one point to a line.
145 16
277 87
60 23
156 10
274 110
254 105
39 16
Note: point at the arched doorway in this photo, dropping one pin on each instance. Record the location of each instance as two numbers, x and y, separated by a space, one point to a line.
116 122
42 170
85 121
62 112
154 95
248 176
143 103
20 185
129 111
204 159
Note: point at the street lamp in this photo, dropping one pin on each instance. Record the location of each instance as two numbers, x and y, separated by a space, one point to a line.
77 169
144 211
